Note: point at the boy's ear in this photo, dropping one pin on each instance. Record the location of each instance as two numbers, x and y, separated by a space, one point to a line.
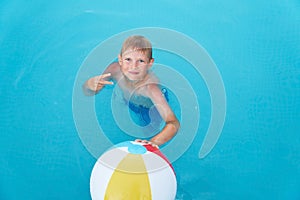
120 59
151 62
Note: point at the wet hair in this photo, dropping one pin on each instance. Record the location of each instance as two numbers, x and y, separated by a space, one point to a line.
137 43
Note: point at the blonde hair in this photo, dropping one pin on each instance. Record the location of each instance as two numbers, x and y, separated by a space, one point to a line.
137 43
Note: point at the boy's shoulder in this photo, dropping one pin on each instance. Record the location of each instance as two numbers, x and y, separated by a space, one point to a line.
114 66
152 84
114 69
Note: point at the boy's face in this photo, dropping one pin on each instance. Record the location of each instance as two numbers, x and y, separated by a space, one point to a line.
135 64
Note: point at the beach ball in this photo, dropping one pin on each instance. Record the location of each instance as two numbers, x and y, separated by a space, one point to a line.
132 170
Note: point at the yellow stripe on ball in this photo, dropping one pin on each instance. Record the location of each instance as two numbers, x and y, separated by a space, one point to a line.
130 179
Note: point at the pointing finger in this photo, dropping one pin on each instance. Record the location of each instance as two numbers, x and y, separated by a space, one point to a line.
105 75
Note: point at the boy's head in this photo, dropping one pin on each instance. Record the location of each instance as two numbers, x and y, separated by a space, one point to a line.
137 43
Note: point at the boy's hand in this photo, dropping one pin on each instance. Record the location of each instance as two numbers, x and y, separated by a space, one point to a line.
98 82
147 142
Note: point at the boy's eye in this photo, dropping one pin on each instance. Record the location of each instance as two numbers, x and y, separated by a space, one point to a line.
127 59
142 61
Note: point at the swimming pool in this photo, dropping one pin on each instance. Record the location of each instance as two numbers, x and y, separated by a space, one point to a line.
254 45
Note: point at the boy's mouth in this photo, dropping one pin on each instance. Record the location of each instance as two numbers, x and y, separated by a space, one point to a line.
133 72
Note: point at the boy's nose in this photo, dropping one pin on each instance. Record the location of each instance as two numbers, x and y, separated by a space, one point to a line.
134 64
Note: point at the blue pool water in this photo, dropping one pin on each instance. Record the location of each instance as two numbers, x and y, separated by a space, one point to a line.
255 46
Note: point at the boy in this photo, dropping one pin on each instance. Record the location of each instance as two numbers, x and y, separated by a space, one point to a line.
140 86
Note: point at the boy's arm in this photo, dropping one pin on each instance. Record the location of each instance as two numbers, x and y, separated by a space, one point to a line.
172 124
168 132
